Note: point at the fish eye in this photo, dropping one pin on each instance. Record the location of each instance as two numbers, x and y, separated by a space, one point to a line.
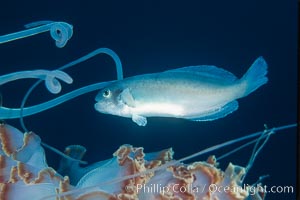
106 93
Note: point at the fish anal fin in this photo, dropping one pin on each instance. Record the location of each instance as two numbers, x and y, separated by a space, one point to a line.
217 113
139 120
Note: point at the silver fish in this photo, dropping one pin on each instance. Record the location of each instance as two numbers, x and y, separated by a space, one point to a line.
198 93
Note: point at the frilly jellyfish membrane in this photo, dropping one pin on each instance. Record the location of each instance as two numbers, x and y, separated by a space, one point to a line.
61 32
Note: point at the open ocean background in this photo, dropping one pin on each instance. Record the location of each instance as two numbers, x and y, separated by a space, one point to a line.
153 36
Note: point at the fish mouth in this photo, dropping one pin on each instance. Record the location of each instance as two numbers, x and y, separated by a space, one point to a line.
98 107
102 107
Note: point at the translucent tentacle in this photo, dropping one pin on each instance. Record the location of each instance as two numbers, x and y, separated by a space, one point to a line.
61 32
106 51
62 154
23 105
224 144
264 134
53 85
50 77
11 113
37 23
257 148
236 149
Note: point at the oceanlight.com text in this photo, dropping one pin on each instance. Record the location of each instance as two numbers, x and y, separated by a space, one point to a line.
212 188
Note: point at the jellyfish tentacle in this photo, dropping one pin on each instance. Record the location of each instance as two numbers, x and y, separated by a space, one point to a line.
107 51
260 142
37 23
12 113
23 105
53 86
264 135
168 164
62 154
236 149
257 148
230 142
61 32
50 77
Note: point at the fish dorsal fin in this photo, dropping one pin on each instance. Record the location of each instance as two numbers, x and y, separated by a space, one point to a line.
127 98
207 71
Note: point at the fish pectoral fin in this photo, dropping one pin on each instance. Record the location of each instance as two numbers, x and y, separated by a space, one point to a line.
127 98
139 120
217 113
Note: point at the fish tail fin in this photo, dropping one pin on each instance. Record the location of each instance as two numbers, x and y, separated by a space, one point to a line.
255 76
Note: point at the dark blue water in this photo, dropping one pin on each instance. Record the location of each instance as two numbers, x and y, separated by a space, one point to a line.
153 37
